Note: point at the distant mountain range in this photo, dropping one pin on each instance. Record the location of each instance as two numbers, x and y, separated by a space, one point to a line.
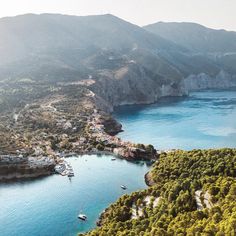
219 45
195 37
113 52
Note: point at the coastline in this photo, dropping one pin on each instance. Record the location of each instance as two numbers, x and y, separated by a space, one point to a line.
15 170
149 182
102 137
19 167
17 176
98 136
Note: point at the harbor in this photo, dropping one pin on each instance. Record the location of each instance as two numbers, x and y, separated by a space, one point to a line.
56 201
64 168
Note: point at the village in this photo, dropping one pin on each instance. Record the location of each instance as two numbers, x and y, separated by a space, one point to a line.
114 144
97 140
40 135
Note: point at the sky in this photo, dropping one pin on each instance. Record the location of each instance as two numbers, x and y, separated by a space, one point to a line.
217 14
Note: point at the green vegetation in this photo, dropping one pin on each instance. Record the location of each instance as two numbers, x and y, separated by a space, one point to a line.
173 207
100 147
54 115
148 148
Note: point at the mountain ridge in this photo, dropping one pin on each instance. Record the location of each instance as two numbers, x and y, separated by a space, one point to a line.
197 35
125 63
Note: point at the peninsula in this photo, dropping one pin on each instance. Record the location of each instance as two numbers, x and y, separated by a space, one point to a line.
190 193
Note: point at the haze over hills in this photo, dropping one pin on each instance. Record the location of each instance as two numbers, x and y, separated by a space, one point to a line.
196 37
126 63
71 40
219 45
61 78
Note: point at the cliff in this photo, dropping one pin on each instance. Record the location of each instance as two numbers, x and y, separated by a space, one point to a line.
17 167
222 80
133 84
135 87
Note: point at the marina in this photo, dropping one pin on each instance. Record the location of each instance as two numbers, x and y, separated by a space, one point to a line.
38 207
64 168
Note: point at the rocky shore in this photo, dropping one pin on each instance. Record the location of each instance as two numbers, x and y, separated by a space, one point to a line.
148 179
19 167
102 217
125 88
76 118
99 222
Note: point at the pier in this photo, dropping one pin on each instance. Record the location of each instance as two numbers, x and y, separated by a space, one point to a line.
64 168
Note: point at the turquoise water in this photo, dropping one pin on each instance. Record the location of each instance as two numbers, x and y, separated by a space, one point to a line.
202 120
49 206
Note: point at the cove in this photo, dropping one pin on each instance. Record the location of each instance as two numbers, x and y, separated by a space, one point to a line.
204 119
49 206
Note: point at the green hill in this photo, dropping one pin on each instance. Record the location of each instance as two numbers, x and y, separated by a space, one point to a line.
191 193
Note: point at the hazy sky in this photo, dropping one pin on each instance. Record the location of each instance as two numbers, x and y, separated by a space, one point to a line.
212 13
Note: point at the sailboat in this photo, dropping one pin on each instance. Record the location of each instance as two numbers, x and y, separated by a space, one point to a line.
123 187
82 217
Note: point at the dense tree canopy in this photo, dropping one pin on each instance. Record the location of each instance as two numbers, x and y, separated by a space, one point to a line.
193 193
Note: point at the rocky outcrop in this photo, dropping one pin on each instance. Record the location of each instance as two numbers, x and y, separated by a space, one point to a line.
111 126
133 85
132 153
17 167
203 81
148 179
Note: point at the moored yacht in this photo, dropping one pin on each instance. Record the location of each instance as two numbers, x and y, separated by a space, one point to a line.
123 187
71 174
82 217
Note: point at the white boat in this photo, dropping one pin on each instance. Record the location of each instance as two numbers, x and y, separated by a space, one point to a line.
123 187
70 174
113 159
82 217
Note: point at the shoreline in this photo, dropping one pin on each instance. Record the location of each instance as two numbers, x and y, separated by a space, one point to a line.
39 171
12 178
148 181
98 137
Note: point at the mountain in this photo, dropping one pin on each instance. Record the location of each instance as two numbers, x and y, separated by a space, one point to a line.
196 37
121 62
69 46
72 46
218 45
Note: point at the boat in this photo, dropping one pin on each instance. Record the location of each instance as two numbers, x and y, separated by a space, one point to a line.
70 174
123 187
113 159
82 217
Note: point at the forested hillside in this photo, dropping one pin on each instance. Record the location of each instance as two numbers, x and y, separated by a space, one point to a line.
192 193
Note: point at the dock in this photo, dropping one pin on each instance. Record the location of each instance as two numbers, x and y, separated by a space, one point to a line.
64 168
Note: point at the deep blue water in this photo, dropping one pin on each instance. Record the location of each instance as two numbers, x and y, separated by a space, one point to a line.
202 120
49 206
